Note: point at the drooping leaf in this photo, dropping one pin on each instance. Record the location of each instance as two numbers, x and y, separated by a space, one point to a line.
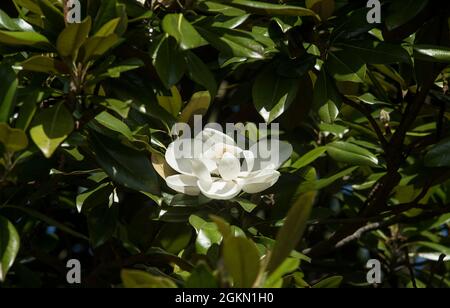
292 231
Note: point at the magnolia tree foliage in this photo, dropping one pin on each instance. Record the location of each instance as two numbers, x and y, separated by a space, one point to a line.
360 92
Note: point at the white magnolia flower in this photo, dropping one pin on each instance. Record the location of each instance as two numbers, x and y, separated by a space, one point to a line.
213 165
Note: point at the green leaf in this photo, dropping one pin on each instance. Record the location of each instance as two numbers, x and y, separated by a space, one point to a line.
126 166
185 34
8 88
219 8
438 155
9 246
346 66
200 73
17 38
14 140
95 47
247 205
432 53
132 279
434 246
93 197
109 28
198 105
106 12
400 12
201 277
28 109
169 62
326 98
329 283
265 8
351 154
54 18
51 127
275 278
44 64
13 24
292 231
242 261
233 42
207 234
172 104
373 52
309 157
273 94
72 38
114 124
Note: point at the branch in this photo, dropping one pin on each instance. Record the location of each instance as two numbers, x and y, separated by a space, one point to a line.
368 115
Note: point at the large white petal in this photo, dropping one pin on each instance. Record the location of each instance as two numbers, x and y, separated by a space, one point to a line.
229 167
201 171
184 184
220 190
257 182
270 155
210 137
248 163
180 153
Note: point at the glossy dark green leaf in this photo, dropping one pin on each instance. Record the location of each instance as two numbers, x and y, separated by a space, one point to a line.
266 8
200 73
54 17
9 246
346 66
350 153
106 12
126 166
185 34
326 98
373 52
432 53
169 62
273 94
17 38
400 12
233 42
